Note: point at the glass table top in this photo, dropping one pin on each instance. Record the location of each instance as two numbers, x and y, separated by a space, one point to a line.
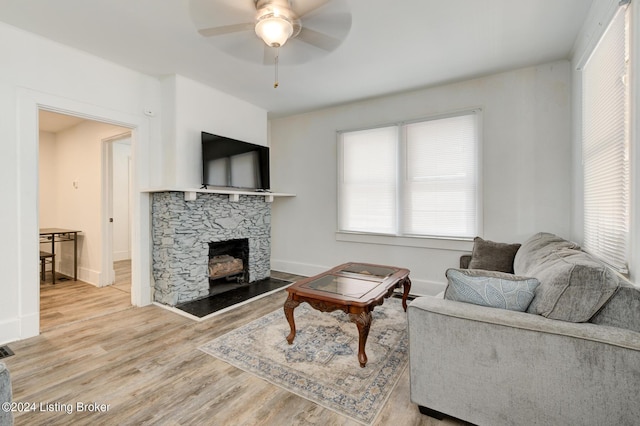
343 285
369 270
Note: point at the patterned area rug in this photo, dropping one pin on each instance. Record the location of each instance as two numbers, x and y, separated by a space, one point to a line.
322 363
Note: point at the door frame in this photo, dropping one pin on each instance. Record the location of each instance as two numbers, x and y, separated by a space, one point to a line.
28 103
108 277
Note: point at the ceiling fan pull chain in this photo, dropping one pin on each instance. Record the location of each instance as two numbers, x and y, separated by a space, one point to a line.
275 83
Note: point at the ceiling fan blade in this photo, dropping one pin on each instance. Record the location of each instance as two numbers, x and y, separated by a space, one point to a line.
335 24
302 8
317 39
226 29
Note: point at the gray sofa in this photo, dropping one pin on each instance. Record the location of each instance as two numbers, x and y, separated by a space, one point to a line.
6 417
572 358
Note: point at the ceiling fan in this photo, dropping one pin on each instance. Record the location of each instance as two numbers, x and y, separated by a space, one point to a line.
256 30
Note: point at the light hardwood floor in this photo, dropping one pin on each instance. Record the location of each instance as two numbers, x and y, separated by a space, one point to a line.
145 364
68 301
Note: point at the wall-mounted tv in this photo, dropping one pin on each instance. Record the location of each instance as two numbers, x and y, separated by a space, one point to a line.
231 163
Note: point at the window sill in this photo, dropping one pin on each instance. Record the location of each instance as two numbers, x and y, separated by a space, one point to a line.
454 244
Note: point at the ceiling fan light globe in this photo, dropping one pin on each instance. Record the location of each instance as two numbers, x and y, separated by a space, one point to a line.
274 30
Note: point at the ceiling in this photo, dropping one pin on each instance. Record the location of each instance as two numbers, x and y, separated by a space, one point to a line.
412 44
53 122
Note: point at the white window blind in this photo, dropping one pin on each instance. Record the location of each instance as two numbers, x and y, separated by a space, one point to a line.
431 189
441 177
605 145
368 183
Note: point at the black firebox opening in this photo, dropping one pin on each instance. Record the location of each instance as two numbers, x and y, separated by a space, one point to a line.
228 262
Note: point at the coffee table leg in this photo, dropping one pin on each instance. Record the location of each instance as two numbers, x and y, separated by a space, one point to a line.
363 321
406 283
289 306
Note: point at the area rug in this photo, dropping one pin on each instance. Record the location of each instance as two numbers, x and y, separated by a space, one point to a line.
322 363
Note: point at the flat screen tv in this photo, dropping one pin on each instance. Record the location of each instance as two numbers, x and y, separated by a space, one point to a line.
230 163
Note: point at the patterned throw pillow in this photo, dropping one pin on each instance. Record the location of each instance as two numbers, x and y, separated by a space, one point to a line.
490 288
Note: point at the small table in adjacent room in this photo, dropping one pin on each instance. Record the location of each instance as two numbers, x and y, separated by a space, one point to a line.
55 235
355 288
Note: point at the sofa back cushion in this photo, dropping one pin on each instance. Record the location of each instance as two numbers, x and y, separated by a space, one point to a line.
533 253
573 285
622 310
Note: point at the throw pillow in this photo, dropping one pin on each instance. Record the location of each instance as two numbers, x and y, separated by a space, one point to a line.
492 256
490 288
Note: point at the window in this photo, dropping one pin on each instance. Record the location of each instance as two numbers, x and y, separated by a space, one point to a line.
605 145
368 184
411 179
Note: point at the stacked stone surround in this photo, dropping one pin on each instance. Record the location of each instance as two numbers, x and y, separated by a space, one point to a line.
182 231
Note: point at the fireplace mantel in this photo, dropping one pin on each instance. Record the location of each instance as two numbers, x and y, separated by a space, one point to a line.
234 195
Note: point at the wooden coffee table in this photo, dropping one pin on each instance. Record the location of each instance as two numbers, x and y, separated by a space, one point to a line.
355 288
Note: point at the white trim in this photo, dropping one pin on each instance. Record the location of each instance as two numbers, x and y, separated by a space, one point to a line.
298 268
407 241
234 195
594 38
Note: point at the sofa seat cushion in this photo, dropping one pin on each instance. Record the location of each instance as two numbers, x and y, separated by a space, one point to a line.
490 288
573 285
492 256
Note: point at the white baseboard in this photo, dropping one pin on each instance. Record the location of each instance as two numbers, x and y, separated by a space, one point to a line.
121 255
20 328
86 275
426 288
304 269
9 331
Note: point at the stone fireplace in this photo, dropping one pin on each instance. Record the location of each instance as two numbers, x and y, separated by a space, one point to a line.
184 233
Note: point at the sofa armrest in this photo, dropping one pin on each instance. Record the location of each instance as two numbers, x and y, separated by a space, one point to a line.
499 367
465 259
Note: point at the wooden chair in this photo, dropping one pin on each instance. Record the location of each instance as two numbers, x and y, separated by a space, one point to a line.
46 257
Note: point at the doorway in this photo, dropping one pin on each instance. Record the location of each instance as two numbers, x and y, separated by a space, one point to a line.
29 102
71 196
117 217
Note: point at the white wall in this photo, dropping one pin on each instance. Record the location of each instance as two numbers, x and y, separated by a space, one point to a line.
197 108
75 167
526 170
36 72
599 16
47 182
